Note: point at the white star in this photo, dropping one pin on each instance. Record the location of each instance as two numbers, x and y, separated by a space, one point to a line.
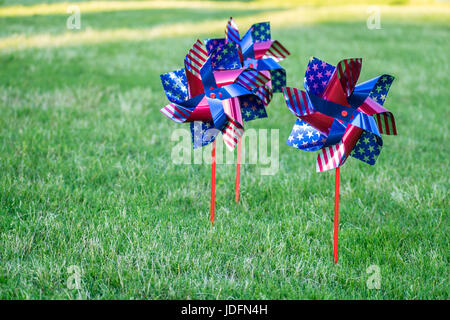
172 75
296 127
300 136
291 138
309 134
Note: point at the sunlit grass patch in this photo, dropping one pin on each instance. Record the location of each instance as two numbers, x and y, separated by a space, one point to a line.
60 8
37 7
279 19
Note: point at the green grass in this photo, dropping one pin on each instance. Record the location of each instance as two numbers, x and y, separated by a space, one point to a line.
109 20
87 178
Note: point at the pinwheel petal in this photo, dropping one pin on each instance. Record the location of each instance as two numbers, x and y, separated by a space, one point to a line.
226 57
330 157
193 63
376 88
212 44
252 108
386 123
385 120
305 137
260 31
232 32
252 79
276 51
368 148
317 75
232 133
348 71
175 85
218 114
196 58
232 109
177 112
264 93
381 89
203 133
278 79
297 101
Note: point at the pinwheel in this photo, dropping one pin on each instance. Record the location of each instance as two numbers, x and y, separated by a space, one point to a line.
257 51
339 118
211 99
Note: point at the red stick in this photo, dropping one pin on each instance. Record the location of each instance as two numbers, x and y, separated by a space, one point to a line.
213 180
336 215
238 170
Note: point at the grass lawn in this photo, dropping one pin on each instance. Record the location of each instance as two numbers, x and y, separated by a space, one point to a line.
87 179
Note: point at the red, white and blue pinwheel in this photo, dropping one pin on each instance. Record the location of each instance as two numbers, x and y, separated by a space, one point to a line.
339 117
211 98
199 92
256 50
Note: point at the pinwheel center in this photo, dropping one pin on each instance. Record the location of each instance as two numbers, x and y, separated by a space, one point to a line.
344 113
212 96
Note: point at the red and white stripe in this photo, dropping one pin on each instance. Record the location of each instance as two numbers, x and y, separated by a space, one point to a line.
348 71
386 123
330 157
232 109
251 79
176 113
277 51
196 58
297 101
232 32
265 94
232 133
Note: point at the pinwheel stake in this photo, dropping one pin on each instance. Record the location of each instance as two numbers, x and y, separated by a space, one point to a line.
238 170
217 90
213 180
339 118
336 216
